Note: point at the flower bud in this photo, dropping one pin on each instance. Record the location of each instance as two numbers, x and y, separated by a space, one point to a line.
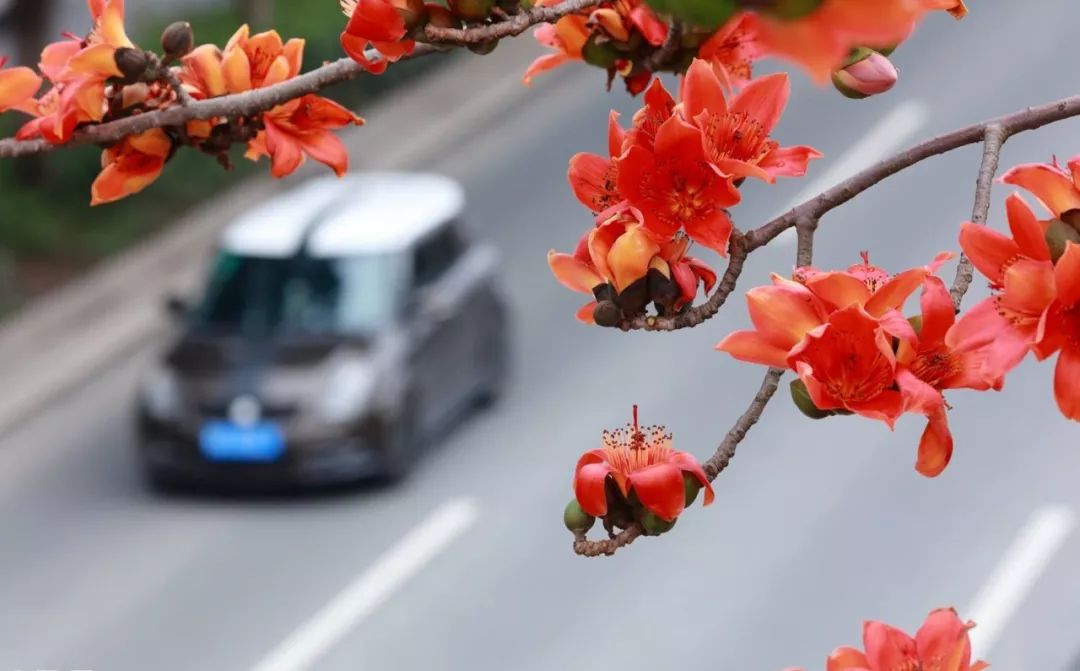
867 75
131 62
601 53
440 17
471 10
177 41
801 396
482 48
655 525
784 9
691 487
576 519
606 313
1059 232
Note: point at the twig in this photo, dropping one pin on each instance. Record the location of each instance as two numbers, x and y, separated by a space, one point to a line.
607 547
661 58
805 228
995 137
182 95
1018 122
726 452
253 102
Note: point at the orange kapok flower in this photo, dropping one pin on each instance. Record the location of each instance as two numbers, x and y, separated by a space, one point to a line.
732 50
17 86
736 137
674 187
303 127
640 461
867 285
131 165
1056 188
782 313
98 58
379 24
254 61
1021 274
566 37
941 644
822 39
594 178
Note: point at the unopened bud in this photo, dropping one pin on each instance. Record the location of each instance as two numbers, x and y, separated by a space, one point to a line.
801 396
606 313
868 75
1059 232
576 519
601 53
482 48
784 9
177 41
131 62
655 525
440 17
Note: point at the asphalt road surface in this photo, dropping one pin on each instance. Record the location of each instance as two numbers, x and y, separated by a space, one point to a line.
817 525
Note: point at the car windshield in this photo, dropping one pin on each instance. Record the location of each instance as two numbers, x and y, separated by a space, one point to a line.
301 294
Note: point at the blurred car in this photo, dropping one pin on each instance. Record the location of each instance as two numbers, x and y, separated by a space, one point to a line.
342 324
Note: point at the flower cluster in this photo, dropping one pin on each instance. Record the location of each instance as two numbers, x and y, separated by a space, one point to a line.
635 478
669 180
625 38
1035 278
942 643
106 77
844 335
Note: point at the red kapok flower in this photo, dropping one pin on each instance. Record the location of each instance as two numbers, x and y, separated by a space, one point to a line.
941 644
377 23
674 187
1021 274
867 285
131 165
98 58
594 178
303 126
17 85
736 138
732 51
642 462
848 363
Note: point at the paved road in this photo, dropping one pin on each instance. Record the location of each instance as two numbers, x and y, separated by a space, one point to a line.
817 525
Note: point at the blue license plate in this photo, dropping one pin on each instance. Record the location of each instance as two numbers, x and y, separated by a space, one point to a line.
220 440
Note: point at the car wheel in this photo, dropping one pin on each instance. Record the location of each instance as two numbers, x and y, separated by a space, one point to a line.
161 481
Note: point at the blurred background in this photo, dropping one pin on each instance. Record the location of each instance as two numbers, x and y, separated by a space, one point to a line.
464 563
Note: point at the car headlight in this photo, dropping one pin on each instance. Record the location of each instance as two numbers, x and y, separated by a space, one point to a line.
347 391
161 394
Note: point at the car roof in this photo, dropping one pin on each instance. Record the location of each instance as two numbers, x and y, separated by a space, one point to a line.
361 213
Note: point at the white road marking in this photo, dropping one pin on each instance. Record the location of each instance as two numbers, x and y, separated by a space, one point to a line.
370 589
887 136
1016 574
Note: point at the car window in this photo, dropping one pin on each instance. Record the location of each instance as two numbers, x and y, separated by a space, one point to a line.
351 294
437 253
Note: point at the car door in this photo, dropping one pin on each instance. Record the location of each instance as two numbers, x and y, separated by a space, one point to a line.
437 324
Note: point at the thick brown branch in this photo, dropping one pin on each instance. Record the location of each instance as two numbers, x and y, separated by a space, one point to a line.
994 138
260 100
1024 120
805 227
515 25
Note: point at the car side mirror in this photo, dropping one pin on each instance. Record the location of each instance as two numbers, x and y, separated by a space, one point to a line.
177 307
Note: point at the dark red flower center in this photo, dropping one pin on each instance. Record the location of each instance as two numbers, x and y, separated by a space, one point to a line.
734 136
935 366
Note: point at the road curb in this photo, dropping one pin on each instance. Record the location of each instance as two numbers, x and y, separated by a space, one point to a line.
65 337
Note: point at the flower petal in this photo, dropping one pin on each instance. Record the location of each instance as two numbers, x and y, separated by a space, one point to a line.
1066 388
764 100
572 273
838 289
1067 275
847 659
938 311
784 313
1026 229
751 347
943 642
589 486
989 251
660 490
702 91
888 648
1048 183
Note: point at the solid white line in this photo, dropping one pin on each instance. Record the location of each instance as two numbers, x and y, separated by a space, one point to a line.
1016 574
887 136
369 590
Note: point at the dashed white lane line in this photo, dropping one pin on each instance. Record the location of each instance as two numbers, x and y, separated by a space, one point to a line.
368 591
1016 574
887 136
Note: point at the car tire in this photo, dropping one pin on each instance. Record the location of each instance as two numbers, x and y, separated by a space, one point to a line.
495 362
161 481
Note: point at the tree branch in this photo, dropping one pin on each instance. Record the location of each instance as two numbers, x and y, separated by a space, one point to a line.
995 137
805 228
260 100
661 58
511 27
